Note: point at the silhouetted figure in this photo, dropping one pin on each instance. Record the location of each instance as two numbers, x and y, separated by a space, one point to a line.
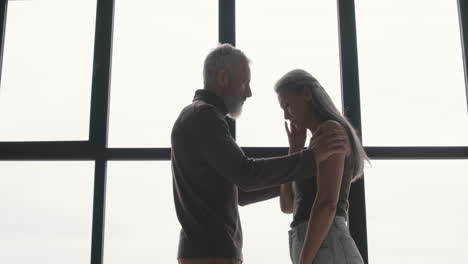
319 205
211 174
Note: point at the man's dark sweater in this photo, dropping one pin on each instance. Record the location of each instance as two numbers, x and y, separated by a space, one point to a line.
212 175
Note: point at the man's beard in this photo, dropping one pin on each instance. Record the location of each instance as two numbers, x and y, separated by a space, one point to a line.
234 105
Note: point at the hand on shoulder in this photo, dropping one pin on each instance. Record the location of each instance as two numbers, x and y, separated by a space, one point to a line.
328 139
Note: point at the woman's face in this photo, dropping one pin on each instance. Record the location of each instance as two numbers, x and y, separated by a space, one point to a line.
295 108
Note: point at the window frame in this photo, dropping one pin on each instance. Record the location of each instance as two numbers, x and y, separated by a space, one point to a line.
95 148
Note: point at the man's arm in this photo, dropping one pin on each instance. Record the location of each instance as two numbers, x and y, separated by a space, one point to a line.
222 153
246 198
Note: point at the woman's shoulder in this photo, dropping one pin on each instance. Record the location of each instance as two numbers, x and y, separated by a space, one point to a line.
333 124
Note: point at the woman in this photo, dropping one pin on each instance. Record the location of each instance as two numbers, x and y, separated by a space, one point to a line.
320 205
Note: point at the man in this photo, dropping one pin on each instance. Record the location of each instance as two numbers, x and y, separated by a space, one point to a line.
211 174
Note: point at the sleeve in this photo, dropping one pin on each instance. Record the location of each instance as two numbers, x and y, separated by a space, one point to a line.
222 153
246 198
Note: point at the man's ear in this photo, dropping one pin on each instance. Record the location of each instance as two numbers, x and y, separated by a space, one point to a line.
222 77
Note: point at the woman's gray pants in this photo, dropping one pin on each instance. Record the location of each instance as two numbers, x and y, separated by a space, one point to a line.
337 248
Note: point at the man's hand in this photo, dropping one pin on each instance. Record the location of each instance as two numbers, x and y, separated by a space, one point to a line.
296 137
329 138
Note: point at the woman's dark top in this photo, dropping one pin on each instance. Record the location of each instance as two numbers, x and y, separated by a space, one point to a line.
305 191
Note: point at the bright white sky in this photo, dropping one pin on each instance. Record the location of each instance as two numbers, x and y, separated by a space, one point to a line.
412 94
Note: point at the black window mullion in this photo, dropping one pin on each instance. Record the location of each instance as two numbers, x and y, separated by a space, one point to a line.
138 154
463 17
99 202
380 153
227 34
101 74
81 150
413 153
227 21
352 109
98 130
3 17
54 150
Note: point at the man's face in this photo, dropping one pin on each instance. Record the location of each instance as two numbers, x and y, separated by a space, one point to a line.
237 90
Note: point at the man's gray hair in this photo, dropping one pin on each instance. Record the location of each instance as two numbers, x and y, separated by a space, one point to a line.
225 56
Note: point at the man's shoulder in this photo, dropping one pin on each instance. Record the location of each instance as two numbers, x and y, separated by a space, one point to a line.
202 106
198 111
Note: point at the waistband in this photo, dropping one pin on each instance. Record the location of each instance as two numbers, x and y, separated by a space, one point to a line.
338 220
339 226
209 260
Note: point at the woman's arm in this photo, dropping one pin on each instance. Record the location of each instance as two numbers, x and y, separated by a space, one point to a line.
323 210
296 138
286 198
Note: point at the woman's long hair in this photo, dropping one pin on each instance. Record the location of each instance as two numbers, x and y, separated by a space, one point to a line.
295 82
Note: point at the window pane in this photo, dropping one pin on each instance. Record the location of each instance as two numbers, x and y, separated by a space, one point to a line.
46 79
159 48
411 73
141 225
416 211
265 230
289 35
46 212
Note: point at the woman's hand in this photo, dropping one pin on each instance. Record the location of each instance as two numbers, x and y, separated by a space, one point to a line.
286 198
296 137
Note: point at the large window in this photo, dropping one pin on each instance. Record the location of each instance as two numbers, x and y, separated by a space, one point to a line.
415 211
141 225
410 54
265 230
46 211
157 66
47 68
296 34
90 89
